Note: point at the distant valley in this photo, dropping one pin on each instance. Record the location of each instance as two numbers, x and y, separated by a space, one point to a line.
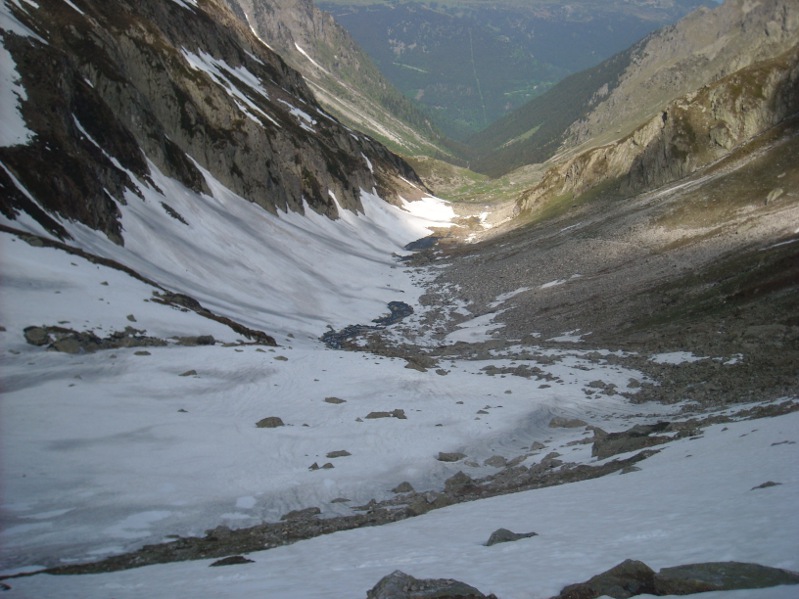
469 63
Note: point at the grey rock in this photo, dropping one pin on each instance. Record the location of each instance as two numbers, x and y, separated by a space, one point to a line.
624 580
495 461
503 535
270 422
403 487
633 439
334 400
454 456
459 483
720 576
560 422
232 561
399 414
305 514
339 453
399 585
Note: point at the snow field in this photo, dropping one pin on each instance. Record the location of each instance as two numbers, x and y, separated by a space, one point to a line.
691 502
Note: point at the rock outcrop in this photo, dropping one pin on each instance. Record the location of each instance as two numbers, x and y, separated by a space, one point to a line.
116 89
689 134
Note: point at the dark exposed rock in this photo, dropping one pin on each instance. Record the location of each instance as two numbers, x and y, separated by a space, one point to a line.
503 535
720 576
495 461
233 560
399 414
270 422
627 579
459 483
189 373
196 340
340 453
334 400
765 485
561 422
403 487
454 456
399 585
305 514
635 438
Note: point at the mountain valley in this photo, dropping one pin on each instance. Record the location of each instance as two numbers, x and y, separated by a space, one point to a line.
235 325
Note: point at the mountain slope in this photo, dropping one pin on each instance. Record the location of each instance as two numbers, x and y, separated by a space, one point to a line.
611 100
181 85
341 76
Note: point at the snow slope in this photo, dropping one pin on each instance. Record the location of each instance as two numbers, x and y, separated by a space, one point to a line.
104 452
692 502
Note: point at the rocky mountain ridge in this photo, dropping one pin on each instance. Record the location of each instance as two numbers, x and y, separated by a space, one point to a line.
691 132
342 78
179 86
610 101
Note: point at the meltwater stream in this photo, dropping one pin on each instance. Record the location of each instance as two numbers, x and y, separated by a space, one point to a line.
397 311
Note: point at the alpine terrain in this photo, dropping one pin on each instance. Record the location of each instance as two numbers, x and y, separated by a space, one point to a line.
263 334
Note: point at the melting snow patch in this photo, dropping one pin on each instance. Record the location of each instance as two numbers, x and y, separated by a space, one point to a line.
676 357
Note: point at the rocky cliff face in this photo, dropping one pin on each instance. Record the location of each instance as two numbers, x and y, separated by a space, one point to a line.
606 103
341 76
112 90
691 132
704 47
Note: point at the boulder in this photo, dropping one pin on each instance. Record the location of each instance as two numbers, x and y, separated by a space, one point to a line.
399 585
454 456
720 576
503 535
270 422
633 439
232 561
627 579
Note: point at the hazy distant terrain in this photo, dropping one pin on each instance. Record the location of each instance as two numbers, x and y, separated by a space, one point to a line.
469 62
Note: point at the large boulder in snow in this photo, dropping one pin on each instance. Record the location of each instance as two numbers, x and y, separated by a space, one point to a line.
633 439
399 585
627 579
720 576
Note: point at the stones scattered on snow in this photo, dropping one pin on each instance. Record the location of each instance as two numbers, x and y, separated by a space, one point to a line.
561 422
335 400
339 453
78 342
454 456
420 362
537 446
399 585
233 560
503 535
631 578
270 422
399 414
315 466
